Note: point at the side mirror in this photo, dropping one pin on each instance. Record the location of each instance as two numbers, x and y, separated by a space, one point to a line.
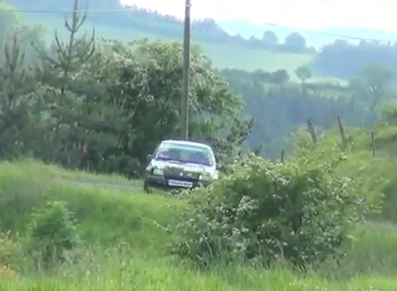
218 167
149 157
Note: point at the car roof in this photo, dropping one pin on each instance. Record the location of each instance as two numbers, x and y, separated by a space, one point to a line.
185 142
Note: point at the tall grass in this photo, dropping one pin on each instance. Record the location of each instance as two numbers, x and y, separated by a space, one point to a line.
105 215
118 271
124 243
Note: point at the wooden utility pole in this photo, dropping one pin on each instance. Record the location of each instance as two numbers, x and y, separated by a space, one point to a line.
186 74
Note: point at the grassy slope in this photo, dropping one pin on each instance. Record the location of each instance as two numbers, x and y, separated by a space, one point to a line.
223 56
106 216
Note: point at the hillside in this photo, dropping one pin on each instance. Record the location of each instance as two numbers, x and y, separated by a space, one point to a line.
222 56
314 38
232 53
125 236
271 48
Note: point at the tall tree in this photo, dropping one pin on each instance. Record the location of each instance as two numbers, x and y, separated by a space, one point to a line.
303 73
270 38
375 83
70 55
17 103
60 68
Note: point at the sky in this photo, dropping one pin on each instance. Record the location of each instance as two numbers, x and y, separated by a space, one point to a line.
304 14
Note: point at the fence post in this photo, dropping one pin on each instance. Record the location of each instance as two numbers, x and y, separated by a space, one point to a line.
373 144
341 131
312 131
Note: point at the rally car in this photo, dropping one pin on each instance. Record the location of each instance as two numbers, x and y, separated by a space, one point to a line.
180 164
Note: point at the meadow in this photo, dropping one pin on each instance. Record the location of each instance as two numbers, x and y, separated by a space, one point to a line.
125 238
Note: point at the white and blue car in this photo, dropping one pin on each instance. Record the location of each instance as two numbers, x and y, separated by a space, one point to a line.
180 164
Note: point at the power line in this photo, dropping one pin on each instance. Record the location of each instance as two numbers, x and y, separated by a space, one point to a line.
330 34
68 10
126 10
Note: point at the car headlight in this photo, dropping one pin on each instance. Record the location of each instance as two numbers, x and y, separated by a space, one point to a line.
157 171
206 177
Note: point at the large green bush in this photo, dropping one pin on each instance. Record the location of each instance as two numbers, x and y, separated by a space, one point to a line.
299 210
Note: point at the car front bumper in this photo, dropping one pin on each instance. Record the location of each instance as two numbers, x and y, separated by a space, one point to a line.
162 182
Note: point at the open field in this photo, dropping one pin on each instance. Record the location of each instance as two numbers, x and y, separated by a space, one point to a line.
222 56
125 240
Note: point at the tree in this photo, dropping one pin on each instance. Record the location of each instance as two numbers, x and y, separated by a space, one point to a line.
295 42
270 38
143 81
8 19
375 83
18 110
12 23
342 59
60 68
303 73
70 56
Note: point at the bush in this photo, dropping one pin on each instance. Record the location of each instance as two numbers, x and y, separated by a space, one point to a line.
298 210
52 232
10 255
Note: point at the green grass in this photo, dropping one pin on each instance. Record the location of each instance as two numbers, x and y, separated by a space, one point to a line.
119 273
108 218
105 214
223 56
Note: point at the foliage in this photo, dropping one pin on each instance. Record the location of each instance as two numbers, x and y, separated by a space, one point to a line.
279 107
52 232
18 103
342 59
10 254
105 105
375 83
388 112
12 23
303 73
369 174
107 216
300 211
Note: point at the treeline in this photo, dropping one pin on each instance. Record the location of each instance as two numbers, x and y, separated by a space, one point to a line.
342 59
147 21
279 107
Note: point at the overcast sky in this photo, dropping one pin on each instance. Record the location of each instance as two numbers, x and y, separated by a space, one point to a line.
309 14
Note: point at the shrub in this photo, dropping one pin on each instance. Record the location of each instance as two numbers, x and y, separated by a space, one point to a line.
299 210
10 255
51 233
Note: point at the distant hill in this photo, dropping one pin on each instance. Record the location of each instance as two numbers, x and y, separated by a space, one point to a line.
225 49
229 44
247 29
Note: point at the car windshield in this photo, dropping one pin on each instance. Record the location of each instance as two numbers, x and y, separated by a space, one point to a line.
185 153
